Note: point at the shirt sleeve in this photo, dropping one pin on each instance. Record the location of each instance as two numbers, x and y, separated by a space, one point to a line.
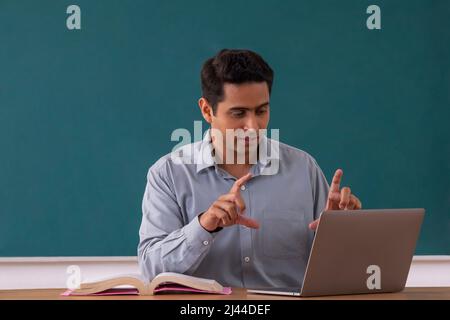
320 189
167 244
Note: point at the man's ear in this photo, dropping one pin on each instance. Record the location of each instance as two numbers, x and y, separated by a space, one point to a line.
206 109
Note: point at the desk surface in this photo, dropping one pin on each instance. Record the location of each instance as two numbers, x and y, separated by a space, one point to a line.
412 293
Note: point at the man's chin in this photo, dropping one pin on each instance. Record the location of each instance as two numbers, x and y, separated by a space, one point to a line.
249 152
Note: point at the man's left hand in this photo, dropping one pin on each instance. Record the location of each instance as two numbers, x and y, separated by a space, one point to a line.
338 199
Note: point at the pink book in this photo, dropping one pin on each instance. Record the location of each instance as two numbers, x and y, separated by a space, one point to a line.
164 283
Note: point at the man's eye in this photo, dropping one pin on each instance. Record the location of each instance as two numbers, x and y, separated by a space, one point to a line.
261 111
237 114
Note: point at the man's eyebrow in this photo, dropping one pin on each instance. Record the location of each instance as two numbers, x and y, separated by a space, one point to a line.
247 108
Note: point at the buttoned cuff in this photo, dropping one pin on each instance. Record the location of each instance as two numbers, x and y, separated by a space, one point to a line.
198 237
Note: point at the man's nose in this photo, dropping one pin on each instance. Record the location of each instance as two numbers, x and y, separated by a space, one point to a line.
251 123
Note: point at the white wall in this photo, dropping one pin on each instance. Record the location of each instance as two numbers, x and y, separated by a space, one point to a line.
39 273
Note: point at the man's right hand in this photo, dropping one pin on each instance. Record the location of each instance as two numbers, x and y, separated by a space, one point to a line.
228 209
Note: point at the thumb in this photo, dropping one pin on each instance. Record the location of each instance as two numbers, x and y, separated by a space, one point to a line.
248 222
313 225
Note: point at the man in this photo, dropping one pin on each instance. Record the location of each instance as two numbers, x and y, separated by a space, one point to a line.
228 220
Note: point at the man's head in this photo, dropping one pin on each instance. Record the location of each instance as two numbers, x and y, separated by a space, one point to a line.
236 86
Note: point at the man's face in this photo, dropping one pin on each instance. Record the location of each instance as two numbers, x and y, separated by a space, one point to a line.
245 106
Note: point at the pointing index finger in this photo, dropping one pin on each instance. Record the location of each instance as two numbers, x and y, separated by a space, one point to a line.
336 181
241 181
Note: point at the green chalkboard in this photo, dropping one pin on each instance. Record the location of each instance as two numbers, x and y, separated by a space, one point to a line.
85 112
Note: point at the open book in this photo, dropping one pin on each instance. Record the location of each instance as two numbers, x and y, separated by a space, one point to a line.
166 282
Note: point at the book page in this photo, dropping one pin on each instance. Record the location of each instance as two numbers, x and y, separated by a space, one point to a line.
111 277
185 280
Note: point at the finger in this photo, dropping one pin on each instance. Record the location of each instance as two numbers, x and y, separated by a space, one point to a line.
345 197
228 197
351 204
224 223
229 208
233 198
240 204
222 215
220 223
334 196
333 201
354 204
336 181
224 219
358 204
240 182
248 222
313 225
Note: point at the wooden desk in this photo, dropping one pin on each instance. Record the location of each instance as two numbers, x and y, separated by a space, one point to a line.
412 293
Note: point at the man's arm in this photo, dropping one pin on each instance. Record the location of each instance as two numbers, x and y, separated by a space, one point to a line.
320 189
166 243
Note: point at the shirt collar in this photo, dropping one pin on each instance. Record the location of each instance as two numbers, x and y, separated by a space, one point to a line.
205 157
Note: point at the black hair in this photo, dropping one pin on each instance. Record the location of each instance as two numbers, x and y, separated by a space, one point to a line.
232 66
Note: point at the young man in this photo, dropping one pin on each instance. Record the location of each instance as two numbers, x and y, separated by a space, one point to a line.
229 220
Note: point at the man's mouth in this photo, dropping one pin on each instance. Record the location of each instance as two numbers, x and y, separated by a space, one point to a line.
249 140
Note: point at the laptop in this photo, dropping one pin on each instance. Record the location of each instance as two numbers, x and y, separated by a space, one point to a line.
358 251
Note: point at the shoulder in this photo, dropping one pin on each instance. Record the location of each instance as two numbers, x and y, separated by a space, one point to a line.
178 159
297 160
290 154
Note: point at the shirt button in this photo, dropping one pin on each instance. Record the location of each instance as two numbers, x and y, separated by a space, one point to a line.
242 187
206 242
247 259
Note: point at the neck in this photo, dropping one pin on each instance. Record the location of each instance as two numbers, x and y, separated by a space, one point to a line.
234 168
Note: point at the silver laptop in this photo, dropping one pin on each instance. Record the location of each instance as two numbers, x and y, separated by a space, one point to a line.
358 251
